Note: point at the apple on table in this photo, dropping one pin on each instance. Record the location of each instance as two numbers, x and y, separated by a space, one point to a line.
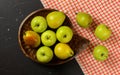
100 53
102 32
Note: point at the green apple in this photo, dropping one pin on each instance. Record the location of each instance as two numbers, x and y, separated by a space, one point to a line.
63 51
31 38
39 24
44 54
64 34
102 32
83 19
48 38
100 53
55 19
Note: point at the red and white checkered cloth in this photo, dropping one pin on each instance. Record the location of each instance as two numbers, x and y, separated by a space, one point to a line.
102 11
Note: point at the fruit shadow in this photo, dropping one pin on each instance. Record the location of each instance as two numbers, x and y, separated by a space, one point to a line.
111 61
94 24
66 67
91 47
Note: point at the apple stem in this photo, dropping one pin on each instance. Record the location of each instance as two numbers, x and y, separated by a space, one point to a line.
43 54
64 36
37 25
102 54
48 37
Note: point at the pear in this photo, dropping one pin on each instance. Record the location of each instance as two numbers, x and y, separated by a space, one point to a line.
31 38
55 19
84 19
63 51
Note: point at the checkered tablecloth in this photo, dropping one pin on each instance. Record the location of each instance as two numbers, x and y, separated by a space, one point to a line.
102 11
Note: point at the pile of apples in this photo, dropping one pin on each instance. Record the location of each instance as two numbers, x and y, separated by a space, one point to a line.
102 32
49 32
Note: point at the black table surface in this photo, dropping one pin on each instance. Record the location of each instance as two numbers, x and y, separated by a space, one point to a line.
12 60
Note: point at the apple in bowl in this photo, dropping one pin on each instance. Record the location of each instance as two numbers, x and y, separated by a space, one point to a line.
76 42
48 38
64 34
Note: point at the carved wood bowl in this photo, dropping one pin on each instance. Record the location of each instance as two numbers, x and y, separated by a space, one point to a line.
78 43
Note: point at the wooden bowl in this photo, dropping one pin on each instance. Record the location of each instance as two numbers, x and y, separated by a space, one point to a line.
78 43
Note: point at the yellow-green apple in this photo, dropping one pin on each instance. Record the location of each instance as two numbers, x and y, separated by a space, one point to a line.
48 38
55 19
64 34
63 51
44 54
100 53
39 24
31 38
83 19
102 32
